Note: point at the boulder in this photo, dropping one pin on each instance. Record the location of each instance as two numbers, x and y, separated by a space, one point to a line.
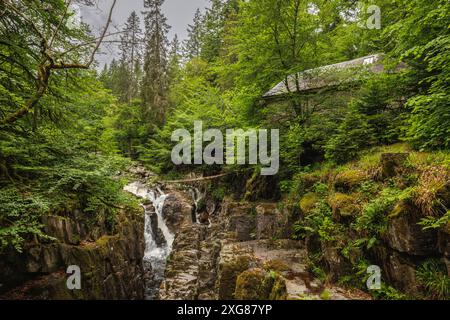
349 180
404 234
399 270
233 260
343 205
258 284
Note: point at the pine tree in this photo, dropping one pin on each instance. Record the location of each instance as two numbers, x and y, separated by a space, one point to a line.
130 46
174 59
193 44
155 81
214 22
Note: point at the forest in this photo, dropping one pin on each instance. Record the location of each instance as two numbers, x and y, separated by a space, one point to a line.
70 129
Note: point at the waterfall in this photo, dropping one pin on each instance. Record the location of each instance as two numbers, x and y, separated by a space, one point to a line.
196 198
156 255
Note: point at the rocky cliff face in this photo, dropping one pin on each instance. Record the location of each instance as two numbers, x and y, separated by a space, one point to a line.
240 255
110 260
244 250
386 203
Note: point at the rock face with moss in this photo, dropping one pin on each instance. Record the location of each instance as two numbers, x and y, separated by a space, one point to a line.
109 257
389 209
240 255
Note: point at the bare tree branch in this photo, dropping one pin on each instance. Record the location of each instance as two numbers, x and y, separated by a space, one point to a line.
63 18
103 34
48 63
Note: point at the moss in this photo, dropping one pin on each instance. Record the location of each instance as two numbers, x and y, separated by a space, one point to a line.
276 265
257 284
279 290
325 295
229 273
400 208
309 202
350 179
252 285
343 205
103 241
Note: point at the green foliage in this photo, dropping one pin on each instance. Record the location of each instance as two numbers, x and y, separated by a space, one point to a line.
373 219
419 35
319 221
432 274
388 293
353 135
61 153
435 222
19 216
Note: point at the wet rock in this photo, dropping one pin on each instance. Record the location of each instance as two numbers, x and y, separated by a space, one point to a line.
399 270
404 234
204 218
177 209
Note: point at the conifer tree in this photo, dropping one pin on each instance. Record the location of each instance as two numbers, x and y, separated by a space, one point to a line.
130 46
193 44
174 59
155 81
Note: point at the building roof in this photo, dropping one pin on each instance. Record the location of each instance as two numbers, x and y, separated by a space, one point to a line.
321 77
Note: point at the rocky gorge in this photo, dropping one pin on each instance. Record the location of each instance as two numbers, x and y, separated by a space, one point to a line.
184 243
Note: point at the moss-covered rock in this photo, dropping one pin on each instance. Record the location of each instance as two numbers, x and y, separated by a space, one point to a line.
252 284
276 265
349 180
234 259
279 290
111 266
404 233
308 202
343 205
258 284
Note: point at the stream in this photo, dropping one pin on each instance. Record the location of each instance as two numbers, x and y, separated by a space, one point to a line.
156 251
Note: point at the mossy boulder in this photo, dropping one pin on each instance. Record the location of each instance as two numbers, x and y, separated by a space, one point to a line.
234 259
343 205
279 289
257 284
309 202
252 285
349 180
404 233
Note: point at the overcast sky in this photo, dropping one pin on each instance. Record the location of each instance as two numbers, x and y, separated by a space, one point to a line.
179 14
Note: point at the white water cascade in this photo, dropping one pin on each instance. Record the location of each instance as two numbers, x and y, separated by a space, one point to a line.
155 254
